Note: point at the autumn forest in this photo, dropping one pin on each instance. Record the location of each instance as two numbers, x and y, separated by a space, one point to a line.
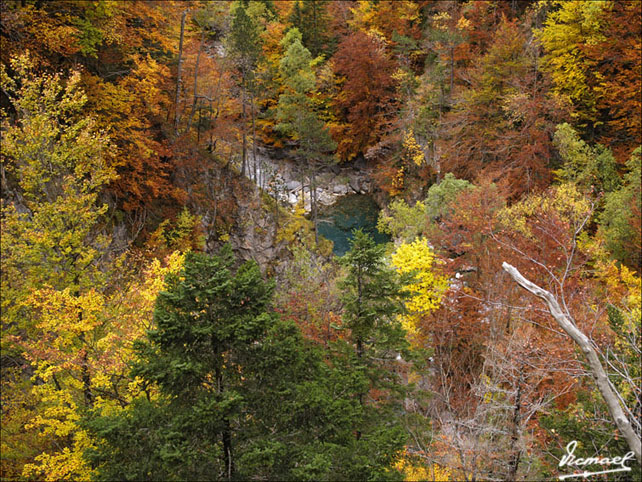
183 298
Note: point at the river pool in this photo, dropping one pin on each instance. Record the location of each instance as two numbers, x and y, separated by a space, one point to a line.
337 222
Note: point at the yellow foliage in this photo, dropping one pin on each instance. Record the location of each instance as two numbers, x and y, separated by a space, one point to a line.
566 201
440 20
397 182
58 419
381 19
411 148
568 28
427 287
78 325
623 281
416 472
297 229
295 225
364 16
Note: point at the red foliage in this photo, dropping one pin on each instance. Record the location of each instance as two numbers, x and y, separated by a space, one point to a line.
366 102
618 60
503 125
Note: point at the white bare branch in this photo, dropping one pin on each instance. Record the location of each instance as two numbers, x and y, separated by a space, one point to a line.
609 393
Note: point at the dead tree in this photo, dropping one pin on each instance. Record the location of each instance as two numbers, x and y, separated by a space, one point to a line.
607 390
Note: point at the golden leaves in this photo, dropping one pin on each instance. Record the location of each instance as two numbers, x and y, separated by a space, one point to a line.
428 285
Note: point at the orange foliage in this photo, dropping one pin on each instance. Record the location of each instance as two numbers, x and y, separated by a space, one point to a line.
503 125
366 100
618 60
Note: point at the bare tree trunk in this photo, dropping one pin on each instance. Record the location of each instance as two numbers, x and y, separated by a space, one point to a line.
195 93
315 41
178 74
198 127
226 436
517 453
209 125
244 151
452 70
256 179
609 393
313 204
86 380
84 373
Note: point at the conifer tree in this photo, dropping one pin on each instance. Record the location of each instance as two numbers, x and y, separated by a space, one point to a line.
311 19
373 301
296 113
245 49
236 393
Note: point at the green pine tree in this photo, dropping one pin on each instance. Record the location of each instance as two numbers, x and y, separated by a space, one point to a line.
373 298
240 394
310 17
244 44
296 114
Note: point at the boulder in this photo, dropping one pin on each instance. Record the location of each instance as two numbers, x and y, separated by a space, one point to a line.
293 185
340 189
292 198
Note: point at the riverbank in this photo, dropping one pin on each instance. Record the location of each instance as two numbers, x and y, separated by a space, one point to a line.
278 174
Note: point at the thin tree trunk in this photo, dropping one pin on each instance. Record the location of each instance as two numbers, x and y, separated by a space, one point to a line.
227 450
313 204
195 93
316 29
256 179
86 381
359 340
178 74
198 127
226 436
244 148
452 70
209 124
517 453
609 393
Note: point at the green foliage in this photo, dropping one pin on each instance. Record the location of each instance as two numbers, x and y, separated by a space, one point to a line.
320 387
244 39
373 298
295 111
91 35
440 196
585 421
184 233
591 168
241 394
296 231
311 19
504 61
406 223
403 222
620 220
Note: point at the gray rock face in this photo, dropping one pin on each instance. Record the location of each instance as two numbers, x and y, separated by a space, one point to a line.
293 185
280 176
340 189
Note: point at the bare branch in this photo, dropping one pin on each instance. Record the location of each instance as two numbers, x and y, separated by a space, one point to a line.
609 393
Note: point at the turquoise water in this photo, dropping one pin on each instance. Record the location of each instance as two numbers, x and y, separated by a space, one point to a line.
337 222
